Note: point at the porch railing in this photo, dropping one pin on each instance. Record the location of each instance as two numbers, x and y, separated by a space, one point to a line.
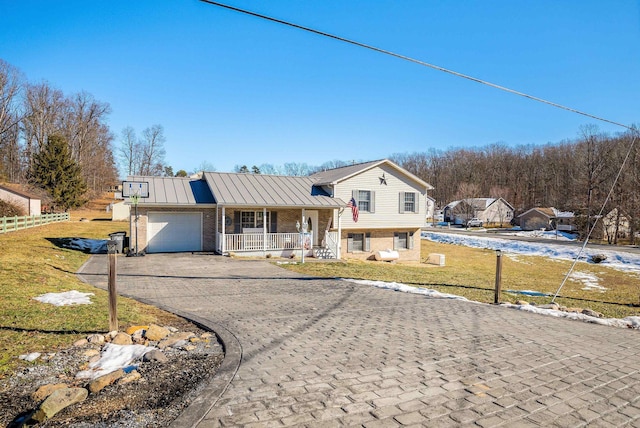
331 242
257 242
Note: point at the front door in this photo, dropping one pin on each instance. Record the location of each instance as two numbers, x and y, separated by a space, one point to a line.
312 221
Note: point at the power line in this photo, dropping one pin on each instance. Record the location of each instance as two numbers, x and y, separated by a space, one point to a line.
413 60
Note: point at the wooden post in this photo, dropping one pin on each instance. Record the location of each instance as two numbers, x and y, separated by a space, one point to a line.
113 311
498 276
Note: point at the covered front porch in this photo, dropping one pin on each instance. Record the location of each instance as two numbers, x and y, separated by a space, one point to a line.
274 232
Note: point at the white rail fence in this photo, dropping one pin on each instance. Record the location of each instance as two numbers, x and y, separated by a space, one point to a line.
10 224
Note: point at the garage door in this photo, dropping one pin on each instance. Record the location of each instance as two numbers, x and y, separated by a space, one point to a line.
174 232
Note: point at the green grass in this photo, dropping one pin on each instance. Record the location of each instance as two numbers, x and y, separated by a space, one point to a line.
31 265
470 272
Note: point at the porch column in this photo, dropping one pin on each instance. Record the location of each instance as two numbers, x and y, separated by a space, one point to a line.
223 246
264 231
339 255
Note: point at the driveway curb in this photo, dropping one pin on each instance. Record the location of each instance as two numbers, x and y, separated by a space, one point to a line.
214 389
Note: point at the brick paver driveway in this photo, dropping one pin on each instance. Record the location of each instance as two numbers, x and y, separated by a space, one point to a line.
318 352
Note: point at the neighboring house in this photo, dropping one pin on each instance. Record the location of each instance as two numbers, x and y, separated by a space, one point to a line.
490 210
255 214
16 194
120 211
547 218
613 226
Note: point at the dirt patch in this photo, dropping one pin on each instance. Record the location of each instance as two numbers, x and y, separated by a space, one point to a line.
160 396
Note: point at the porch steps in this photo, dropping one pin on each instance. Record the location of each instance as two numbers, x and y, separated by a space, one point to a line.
323 253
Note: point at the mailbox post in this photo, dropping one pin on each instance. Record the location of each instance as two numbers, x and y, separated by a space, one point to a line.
112 247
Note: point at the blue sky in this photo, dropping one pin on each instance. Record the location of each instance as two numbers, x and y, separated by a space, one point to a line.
231 89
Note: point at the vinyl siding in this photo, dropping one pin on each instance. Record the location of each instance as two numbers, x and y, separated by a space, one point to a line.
386 213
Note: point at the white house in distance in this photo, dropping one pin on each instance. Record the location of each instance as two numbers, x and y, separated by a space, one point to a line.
259 215
495 211
18 196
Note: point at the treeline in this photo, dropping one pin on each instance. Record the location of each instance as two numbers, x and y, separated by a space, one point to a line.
573 175
30 113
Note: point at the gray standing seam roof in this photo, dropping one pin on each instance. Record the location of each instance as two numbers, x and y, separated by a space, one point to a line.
237 189
174 191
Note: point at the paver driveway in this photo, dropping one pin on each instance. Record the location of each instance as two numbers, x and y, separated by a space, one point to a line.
318 352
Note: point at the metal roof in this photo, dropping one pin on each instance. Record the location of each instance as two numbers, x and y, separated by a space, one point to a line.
175 190
336 175
239 189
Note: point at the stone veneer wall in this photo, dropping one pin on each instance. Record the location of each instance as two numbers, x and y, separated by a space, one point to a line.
382 239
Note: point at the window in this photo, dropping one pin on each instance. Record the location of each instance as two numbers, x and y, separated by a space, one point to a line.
365 200
248 219
253 219
357 242
403 240
408 202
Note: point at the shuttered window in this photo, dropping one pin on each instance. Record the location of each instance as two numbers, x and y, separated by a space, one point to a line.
358 242
403 240
408 202
366 200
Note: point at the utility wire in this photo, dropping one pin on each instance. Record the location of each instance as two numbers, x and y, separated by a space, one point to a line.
413 60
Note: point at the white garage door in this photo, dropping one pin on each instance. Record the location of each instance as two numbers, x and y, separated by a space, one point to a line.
174 232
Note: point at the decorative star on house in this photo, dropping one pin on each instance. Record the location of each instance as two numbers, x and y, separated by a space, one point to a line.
383 179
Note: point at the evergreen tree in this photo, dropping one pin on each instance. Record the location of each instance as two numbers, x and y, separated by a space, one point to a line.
55 171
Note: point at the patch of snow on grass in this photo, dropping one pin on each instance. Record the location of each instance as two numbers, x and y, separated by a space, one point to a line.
591 282
72 297
628 322
622 261
396 286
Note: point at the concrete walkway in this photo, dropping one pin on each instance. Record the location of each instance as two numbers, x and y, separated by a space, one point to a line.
323 352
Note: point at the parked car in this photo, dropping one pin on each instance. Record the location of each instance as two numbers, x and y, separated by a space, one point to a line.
474 222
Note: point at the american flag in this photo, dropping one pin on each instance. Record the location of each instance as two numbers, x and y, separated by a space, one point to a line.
354 209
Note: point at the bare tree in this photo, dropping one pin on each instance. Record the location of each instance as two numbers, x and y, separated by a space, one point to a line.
153 152
44 110
130 152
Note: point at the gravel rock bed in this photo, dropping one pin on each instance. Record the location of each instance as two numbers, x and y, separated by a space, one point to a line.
160 396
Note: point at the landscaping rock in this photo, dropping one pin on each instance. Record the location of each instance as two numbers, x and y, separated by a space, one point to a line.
597 258
130 377
521 302
46 390
156 333
552 306
592 313
104 381
576 310
174 339
122 339
155 356
59 400
80 343
135 328
97 339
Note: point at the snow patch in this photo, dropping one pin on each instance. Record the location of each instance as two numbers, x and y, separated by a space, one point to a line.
72 297
114 357
591 282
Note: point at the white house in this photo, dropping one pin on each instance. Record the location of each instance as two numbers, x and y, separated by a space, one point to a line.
495 211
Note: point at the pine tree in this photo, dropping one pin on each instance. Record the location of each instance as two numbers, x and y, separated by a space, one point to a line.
55 171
